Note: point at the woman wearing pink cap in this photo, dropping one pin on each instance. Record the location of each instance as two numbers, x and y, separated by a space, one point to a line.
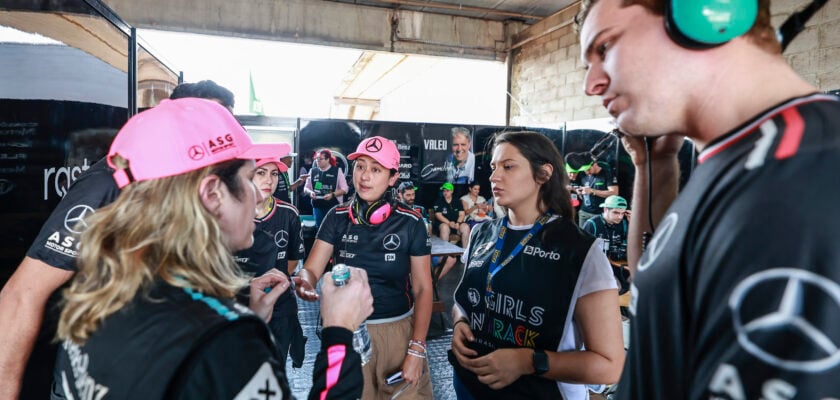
150 312
389 240
278 246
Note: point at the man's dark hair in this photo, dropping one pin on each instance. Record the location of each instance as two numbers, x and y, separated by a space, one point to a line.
206 89
762 32
405 186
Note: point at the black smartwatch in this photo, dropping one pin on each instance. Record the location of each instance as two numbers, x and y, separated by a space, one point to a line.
540 362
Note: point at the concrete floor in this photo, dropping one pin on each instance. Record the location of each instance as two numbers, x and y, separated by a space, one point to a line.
438 341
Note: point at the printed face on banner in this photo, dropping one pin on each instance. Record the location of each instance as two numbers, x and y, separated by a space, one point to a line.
448 154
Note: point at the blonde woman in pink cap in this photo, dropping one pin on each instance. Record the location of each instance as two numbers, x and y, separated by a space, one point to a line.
151 311
389 240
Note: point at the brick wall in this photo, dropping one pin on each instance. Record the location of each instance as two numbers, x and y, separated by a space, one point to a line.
547 76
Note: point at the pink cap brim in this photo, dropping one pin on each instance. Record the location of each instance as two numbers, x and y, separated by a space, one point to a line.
265 150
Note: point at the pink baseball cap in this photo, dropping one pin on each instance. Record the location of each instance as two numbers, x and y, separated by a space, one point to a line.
183 135
275 160
380 149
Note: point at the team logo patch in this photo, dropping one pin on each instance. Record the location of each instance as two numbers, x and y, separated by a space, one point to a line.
659 241
281 239
374 145
6 186
391 242
74 221
473 296
263 385
791 289
195 153
482 249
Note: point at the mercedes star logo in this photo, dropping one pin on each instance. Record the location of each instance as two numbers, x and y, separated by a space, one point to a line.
74 221
281 239
373 145
196 153
789 317
659 241
391 242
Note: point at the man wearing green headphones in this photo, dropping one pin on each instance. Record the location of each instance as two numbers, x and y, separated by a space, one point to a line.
736 295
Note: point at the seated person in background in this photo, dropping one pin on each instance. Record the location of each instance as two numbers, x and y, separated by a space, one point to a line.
450 215
611 227
152 307
475 206
407 193
278 244
450 219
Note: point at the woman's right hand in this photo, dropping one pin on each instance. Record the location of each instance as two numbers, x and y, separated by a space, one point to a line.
461 337
304 287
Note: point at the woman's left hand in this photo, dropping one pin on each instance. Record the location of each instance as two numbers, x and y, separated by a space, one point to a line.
412 369
501 367
265 290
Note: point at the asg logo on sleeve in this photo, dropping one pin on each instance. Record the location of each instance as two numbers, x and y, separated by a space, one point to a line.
74 221
816 349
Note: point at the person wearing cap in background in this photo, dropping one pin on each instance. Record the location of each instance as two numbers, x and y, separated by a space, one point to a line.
611 228
26 299
152 306
285 187
596 184
449 216
375 232
278 245
407 193
326 185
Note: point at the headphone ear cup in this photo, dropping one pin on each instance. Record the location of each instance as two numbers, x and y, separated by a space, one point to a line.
703 24
379 214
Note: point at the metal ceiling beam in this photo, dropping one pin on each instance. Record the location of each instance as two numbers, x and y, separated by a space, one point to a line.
446 6
326 23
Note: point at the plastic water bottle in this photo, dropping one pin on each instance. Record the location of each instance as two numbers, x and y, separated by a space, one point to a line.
361 337
586 201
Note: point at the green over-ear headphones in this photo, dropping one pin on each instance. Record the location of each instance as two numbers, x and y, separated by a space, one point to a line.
702 24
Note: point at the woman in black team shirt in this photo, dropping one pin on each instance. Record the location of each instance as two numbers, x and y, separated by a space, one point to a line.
388 240
533 282
278 246
151 313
